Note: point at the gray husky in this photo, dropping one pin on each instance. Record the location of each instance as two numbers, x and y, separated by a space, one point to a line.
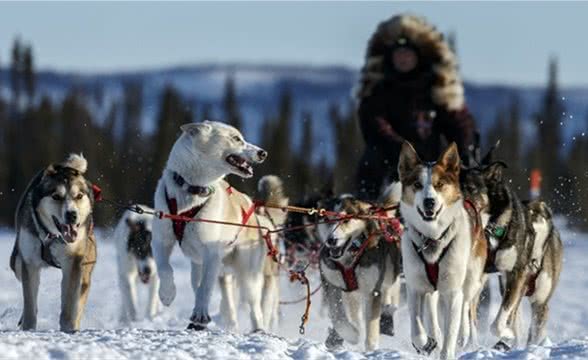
54 228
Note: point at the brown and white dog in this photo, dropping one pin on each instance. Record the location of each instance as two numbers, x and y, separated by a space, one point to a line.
54 227
443 250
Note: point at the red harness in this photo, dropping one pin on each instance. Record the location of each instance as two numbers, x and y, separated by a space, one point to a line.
179 226
348 272
432 270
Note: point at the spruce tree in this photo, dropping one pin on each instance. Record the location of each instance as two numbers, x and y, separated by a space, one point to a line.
232 115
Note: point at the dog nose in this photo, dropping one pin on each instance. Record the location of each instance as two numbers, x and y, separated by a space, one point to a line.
429 204
261 154
331 241
71 217
147 270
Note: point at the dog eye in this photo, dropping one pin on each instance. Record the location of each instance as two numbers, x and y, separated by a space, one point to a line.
417 185
79 196
439 184
57 197
237 139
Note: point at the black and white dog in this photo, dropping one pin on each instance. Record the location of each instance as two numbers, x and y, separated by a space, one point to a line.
135 263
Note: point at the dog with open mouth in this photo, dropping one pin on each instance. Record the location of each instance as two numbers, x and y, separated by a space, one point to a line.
132 237
193 186
443 251
54 227
360 268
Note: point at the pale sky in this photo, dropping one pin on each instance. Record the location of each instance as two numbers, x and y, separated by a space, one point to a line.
498 42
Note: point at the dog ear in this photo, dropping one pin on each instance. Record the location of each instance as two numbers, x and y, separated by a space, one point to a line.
487 160
494 171
450 160
409 159
50 170
196 128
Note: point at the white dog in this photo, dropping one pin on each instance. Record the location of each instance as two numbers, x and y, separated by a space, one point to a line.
135 263
192 185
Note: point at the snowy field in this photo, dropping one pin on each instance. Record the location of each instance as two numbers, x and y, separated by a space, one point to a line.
103 337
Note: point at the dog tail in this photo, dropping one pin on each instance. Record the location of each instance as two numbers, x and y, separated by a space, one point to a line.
391 197
270 190
77 162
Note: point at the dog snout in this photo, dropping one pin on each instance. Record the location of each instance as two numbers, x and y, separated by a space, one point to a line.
429 204
331 241
261 155
71 217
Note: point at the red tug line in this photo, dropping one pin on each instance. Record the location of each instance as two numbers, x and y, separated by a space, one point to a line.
295 275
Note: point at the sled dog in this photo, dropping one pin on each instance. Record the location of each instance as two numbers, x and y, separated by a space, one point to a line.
193 185
359 269
443 250
135 261
54 227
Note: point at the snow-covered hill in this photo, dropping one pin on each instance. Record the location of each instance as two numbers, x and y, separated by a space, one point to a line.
104 337
314 89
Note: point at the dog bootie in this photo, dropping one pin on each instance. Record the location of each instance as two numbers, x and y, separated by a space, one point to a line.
387 324
428 348
334 340
502 346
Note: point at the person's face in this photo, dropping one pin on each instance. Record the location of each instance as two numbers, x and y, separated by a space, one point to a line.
404 59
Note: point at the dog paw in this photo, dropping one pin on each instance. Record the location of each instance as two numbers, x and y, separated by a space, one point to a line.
167 290
502 346
334 341
196 327
428 348
200 318
387 324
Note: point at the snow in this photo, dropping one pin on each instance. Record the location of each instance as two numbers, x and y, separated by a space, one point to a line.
104 337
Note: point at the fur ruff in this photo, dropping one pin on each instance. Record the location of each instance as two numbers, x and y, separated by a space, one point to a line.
448 89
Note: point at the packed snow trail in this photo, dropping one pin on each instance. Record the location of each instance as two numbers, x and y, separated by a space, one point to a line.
104 337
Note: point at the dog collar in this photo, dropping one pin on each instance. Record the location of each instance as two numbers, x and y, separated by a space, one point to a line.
428 240
494 230
202 191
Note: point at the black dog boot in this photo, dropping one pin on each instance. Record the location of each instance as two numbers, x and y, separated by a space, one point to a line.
503 346
387 324
198 323
334 340
429 347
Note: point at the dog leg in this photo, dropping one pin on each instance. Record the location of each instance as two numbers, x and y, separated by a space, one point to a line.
253 287
390 300
269 299
418 334
431 305
210 271
153 308
71 284
30 290
129 295
538 331
341 325
162 250
228 305
84 291
464 330
372 317
452 302
515 284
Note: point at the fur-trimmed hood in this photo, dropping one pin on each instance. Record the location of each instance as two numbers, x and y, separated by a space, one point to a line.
447 88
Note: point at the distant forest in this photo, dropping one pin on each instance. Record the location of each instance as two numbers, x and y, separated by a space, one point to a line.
127 162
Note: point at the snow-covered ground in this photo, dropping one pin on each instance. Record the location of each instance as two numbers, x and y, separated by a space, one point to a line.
104 337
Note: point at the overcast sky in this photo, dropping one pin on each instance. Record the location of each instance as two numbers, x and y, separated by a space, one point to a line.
498 42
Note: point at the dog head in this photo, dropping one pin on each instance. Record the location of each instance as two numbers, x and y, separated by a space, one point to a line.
429 190
217 148
474 189
139 244
338 237
63 199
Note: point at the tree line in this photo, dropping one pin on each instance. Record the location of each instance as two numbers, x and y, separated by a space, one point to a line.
126 161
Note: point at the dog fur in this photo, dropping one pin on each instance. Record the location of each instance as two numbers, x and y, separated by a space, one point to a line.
55 214
132 237
444 232
203 155
377 273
